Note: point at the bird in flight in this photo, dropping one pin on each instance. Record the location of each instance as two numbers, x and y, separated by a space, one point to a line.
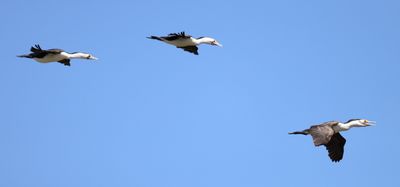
186 42
327 134
55 55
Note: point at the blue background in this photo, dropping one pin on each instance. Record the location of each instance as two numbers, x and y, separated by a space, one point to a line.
150 115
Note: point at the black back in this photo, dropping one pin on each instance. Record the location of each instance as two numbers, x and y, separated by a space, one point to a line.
38 52
176 36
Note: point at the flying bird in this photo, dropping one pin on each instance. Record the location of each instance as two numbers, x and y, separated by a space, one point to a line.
327 134
55 55
186 42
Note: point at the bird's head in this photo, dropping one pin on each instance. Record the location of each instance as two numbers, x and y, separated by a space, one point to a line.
360 122
91 57
208 40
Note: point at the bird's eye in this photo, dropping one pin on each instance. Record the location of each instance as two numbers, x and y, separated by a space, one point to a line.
88 57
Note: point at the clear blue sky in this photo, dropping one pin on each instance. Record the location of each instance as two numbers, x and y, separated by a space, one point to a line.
150 115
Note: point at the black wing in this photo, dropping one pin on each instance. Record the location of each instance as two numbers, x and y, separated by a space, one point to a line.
175 36
36 49
65 62
335 147
190 49
38 52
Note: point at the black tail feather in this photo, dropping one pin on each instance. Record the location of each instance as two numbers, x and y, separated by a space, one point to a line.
155 38
24 56
305 132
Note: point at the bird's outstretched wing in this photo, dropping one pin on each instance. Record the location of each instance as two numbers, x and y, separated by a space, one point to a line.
36 48
38 52
190 49
322 133
66 62
176 36
335 147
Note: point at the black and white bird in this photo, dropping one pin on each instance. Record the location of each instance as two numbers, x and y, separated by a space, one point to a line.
55 55
327 134
186 42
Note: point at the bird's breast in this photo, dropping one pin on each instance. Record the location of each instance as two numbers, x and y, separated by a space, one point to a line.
339 128
50 58
182 42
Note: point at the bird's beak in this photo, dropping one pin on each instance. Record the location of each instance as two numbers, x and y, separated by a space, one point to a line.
371 123
93 58
217 44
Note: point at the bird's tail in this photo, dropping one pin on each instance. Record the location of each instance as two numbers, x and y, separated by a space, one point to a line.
155 38
24 56
304 132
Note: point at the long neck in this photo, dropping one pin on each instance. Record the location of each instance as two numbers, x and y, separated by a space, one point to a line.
77 55
203 41
347 126
343 127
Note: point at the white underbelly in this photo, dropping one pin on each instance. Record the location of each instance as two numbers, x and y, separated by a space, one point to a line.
181 42
51 58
